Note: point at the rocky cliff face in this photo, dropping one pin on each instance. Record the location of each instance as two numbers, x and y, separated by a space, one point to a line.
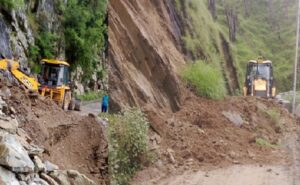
144 54
16 28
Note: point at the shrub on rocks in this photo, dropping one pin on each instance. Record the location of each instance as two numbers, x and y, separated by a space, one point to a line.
128 137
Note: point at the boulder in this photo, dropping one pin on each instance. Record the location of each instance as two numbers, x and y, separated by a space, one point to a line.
9 124
234 117
37 181
13 155
50 167
71 177
48 179
39 165
7 177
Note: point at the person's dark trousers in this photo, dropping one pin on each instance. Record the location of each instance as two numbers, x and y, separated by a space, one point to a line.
104 108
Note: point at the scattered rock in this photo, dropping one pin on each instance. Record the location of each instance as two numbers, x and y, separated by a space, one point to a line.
37 181
50 167
70 177
234 117
13 155
9 124
201 131
48 179
171 156
39 165
8 177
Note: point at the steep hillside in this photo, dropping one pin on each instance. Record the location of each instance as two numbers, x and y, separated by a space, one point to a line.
143 54
149 42
249 28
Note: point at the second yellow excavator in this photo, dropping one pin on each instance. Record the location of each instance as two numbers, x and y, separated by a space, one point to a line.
259 79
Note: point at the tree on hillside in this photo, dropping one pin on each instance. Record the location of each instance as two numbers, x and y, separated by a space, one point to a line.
231 13
212 8
10 4
85 31
247 7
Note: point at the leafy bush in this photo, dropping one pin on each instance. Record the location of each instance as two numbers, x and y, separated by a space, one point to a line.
127 144
85 35
206 80
11 4
45 47
46 43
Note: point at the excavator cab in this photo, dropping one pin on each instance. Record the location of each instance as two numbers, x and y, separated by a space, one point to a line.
54 74
54 80
259 79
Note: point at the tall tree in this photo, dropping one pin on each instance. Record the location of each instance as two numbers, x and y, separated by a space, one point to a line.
85 31
212 8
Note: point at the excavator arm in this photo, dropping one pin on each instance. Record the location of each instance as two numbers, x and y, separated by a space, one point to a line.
29 82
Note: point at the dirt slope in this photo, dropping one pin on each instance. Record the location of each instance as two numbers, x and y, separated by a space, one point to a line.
70 140
143 55
200 130
201 137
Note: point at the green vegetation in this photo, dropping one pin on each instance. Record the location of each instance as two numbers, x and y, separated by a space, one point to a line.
82 36
128 138
11 4
92 95
265 143
85 35
206 79
264 28
204 42
274 115
268 33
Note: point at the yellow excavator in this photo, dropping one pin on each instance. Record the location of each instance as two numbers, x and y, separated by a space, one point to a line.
259 79
53 81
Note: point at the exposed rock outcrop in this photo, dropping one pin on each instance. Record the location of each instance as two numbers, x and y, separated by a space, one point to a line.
22 162
143 55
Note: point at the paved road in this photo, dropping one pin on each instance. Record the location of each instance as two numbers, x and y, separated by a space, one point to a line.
288 174
93 107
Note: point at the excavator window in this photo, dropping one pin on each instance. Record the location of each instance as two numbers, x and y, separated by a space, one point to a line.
54 75
262 70
50 75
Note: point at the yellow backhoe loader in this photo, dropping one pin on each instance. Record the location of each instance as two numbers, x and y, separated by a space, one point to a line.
259 79
53 81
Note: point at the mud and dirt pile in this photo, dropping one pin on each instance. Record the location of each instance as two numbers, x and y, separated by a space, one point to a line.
144 54
207 133
70 141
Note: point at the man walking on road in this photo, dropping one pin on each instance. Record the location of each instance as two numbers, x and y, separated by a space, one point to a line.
105 100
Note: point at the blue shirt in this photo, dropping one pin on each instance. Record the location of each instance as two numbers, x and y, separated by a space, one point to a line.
105 100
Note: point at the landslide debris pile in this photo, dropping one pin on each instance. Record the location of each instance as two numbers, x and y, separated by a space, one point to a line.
40 144
208 133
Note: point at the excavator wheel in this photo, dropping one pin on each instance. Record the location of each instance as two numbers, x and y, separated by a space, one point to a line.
72 104
77 105
67 100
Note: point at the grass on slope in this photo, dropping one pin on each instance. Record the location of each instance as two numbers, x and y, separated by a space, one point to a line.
268 31
206 79
266 34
